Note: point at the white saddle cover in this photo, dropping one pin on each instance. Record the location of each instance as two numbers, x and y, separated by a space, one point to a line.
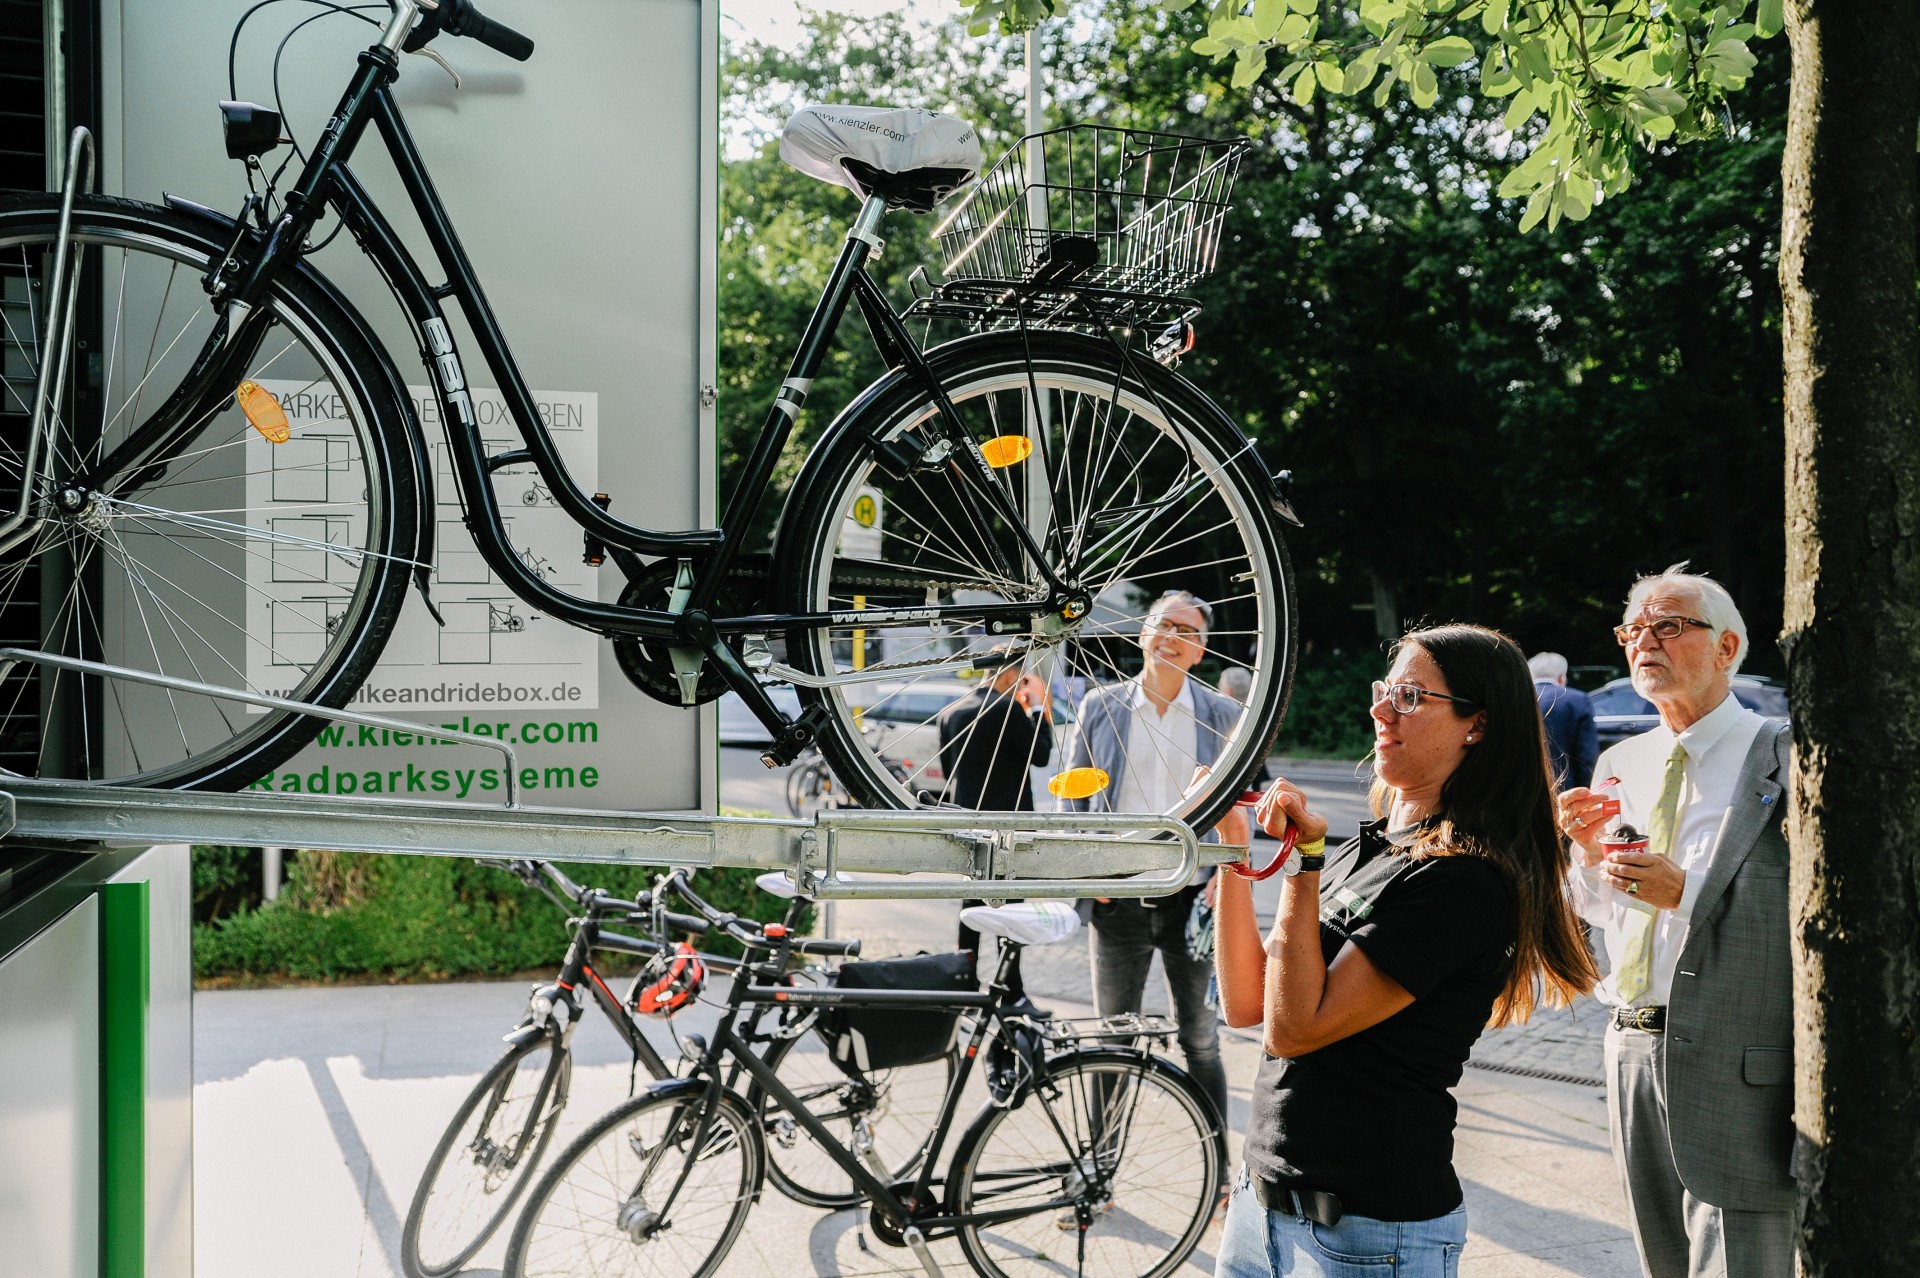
892 139
1024 922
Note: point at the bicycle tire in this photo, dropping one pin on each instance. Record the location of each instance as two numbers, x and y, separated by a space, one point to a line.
499 1098
276 568
902 1104
1123 445
576 1203
1165 1175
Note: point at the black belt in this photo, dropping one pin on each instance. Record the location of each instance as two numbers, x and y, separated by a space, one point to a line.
1317 1205
1651 1019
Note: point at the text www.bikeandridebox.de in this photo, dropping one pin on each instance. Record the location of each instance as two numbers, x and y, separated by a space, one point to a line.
338 775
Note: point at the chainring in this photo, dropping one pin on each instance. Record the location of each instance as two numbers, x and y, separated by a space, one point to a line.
647 663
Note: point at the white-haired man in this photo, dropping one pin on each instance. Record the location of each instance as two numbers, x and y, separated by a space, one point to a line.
1700 1051
1573 740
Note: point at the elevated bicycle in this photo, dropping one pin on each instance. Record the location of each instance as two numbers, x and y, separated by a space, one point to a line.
1031 486
1091 1143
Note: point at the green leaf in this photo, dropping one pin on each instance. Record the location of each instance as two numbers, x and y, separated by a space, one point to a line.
1303 87
1578 199
1267 15
1497 79
1535 59
1448 51
1384 90
1308 7
1493 18
1425 88
1176 6
1247 68
1361 70
1293 29
1536 209
1331 78
1208 47
1769 18
1519 111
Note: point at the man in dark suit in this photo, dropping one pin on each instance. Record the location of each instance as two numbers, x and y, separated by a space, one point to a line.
1572 739
990 740
1700 1052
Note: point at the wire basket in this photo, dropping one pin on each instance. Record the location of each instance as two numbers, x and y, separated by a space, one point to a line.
1091 222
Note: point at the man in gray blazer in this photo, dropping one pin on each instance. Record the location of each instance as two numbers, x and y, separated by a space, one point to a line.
1148 735
1700 1050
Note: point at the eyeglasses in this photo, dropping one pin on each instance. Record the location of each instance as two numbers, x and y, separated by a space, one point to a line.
1405 697
1664 628
1161 626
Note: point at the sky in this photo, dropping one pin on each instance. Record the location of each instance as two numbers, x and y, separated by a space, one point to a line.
778 21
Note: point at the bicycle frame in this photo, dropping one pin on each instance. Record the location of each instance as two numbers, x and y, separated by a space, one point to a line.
241 281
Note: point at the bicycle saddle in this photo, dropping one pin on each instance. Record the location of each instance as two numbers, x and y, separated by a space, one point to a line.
1024 922
910 158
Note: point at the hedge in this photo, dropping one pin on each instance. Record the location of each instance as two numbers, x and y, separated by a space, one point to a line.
347 915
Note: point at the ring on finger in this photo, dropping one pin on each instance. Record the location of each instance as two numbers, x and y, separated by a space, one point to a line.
1633 887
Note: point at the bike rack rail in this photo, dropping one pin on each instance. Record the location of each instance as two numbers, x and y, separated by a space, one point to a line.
1003 854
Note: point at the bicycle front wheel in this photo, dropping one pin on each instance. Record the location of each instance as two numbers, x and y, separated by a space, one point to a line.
897 1108
1115 1144
1130 481
649 1188
232 560
486 1158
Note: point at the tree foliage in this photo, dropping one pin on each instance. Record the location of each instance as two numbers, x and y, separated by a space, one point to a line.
1586 84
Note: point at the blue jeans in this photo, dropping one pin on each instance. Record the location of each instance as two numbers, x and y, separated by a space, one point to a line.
1257 1243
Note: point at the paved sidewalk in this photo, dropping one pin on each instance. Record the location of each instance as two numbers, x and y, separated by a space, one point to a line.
315 1110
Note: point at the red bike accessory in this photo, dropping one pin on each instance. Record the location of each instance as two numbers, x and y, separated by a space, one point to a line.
1247 870
669 982
775 931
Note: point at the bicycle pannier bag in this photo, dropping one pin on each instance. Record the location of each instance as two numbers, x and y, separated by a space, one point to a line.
872 1038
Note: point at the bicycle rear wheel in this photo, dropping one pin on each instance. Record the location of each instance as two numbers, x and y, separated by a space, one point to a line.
273 568
1121 1144
486 1158
602 1207
899 1104
1132 482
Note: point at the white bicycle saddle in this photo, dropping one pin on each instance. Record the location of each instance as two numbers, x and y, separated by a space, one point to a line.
909 157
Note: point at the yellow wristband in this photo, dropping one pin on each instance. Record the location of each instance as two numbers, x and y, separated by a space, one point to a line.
1314 848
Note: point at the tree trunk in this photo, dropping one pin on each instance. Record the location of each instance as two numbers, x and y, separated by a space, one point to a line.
1852 627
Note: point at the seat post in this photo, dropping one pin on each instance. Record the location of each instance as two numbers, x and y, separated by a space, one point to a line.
866 227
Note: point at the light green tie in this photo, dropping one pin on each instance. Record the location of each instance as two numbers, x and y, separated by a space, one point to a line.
1635 974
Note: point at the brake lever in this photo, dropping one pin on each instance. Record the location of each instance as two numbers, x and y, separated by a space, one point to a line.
432 54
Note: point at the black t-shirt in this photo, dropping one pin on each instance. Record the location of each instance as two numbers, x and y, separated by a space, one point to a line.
988 741
1370 1118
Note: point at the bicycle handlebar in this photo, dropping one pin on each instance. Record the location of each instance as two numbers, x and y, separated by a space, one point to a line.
751 935
462 18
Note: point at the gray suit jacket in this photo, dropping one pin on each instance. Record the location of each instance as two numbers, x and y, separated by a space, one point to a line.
1107 714
1730 1016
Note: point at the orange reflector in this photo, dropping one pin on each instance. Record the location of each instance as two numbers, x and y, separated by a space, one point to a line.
1077 783
1006 450
264 411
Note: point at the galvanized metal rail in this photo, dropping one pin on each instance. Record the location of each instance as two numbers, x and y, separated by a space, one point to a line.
1011 854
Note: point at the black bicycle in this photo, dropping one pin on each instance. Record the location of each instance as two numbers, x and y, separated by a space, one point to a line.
1023 492
500 1132
1093 1154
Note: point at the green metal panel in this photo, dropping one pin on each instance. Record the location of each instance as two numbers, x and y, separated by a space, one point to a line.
124 987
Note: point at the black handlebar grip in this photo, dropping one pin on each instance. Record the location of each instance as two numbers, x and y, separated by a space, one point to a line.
495 35
815 945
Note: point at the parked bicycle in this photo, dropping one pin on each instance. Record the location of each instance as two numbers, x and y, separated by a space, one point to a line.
1090 1142
500 1132
1035 483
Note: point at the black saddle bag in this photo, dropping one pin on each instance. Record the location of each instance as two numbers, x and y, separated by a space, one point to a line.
876 1038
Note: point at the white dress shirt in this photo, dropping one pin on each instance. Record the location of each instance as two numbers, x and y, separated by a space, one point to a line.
1162 752
1716 748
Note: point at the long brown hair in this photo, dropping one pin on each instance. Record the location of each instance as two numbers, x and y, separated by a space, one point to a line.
1498 805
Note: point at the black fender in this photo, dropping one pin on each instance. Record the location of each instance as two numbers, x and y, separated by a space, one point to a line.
677 1088
423 533
947 356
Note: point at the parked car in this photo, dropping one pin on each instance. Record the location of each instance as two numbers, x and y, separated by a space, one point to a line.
1619 712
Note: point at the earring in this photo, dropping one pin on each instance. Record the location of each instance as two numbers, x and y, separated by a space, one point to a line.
1469 736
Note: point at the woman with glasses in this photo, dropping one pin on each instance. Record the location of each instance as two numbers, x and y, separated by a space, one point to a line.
1387 958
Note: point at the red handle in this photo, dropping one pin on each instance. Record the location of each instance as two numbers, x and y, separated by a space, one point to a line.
1245 868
